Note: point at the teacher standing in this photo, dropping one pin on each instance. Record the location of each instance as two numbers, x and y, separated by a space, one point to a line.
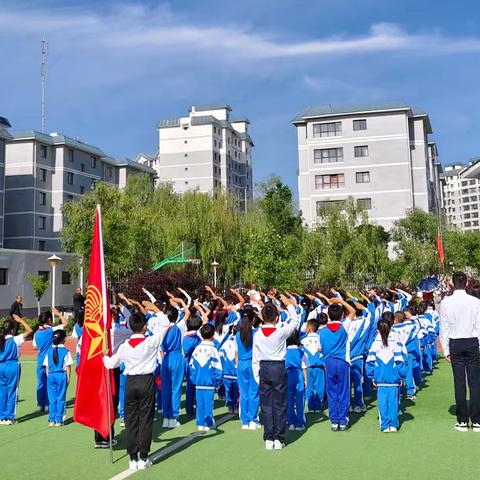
459 335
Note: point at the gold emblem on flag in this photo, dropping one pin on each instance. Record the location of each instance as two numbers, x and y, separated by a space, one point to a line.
93 321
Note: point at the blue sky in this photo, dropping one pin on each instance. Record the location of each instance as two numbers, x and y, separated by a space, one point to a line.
116 68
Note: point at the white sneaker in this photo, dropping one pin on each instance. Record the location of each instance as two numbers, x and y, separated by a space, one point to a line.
300 429
291 427
200 428
476 427
278 445
254 426
269 444
393 429
357 409
173 423
133 465
246 427
461 426
387 430
122 423
166 423
2 422
144 464
206 429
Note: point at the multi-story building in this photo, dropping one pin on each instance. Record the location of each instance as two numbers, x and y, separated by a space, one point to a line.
380 155
44 171
4 136
205 150
461 197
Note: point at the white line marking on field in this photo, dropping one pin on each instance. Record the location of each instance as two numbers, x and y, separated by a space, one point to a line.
164 452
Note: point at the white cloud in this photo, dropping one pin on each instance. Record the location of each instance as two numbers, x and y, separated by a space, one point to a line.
158 30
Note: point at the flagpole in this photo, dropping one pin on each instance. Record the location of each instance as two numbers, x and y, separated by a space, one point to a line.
109 402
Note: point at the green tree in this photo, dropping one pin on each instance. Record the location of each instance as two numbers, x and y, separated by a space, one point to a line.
39 287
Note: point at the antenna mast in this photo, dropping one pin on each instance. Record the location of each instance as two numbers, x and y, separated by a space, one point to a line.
43 72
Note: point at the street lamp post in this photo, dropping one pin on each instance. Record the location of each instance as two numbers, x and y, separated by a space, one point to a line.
214 264
54 261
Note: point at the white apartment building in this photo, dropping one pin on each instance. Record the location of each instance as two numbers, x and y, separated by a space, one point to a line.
206 150
4 136
380 155
461 197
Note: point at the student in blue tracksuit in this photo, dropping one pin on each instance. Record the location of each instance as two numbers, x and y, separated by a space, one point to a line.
58 363
190 342
77 333
414 349
335 349
206 375
10 343
315 391
247 385
296 363
42 341
173 367
428 339
387 367
227 350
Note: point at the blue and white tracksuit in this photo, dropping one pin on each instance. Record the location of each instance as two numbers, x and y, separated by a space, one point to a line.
247 385
335 349
57 382
43 340
428 340
206 374
9 376
77 333
387 367
435 320
190 342
358 336
295 362
315 392
173 368
230 378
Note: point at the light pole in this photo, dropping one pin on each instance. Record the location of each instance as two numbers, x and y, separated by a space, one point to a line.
54 261
214 264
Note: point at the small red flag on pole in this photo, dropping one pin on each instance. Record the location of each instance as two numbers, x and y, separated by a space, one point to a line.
441 253
93 399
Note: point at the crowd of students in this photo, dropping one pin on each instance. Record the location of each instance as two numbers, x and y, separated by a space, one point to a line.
269 356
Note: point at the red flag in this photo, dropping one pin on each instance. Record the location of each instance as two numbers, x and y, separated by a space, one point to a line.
441 253
93 404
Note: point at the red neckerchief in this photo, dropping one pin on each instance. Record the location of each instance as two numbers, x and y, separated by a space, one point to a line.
267 331
133 342
334 326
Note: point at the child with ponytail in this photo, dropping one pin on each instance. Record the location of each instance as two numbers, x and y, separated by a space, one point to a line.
10 367
58 363
387 367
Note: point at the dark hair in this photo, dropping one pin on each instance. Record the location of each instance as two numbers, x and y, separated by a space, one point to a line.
137 322
207 331
313 324
459 281
399 316
58 337
358 311
172 314
269 313
294 339
335 312
246 325
322 318
220 317
422 308
9 327
384 327
412 308
194 323
45 317
388 317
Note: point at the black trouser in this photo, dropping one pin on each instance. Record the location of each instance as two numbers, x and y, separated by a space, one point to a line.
139 413
273 399
465 357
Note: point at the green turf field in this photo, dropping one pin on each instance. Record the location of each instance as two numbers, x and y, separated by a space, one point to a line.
426 447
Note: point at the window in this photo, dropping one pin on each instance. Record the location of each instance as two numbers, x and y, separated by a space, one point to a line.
327 129
3 276
43 151
43 198
93 162
70 155
186 169
66 278
41 246
45 274
43 174
325 182
42 222
364 203
359 125
185 141
109 172
70 178
215 142
328 155
361 151
363 177
93 184
82 167
82 189
185 154
329 205
69 198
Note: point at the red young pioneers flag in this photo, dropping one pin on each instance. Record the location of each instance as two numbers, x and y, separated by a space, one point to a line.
93 404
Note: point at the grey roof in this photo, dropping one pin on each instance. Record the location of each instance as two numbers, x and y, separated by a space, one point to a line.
205 120
169 123
454 164
204 108
127 162
239 119
246 136
4 121
57 139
